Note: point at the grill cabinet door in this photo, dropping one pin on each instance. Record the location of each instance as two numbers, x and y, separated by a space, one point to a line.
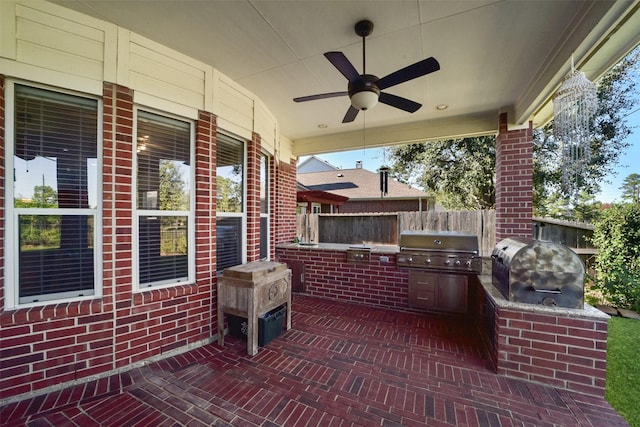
438 291
452 293
422 290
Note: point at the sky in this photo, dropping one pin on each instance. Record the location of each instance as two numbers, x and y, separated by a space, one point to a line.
629 163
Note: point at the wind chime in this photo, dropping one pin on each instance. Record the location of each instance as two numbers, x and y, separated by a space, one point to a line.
574 105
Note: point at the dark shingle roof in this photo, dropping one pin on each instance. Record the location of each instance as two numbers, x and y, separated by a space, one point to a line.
356 184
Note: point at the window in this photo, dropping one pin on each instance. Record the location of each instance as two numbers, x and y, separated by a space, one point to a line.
230 202
264 207
164 210
54 218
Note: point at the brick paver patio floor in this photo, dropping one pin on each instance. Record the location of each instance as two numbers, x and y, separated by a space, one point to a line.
340 365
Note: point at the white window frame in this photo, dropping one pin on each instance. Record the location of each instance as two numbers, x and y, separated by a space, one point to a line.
242 215
137 213
11 240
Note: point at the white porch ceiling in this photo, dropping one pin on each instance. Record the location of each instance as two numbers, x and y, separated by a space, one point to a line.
495 56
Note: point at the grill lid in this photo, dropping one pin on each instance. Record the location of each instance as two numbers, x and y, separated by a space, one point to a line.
438 240
518 253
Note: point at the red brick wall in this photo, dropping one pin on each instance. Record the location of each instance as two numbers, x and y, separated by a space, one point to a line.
284 197
328 275
556 350
56 343
514 181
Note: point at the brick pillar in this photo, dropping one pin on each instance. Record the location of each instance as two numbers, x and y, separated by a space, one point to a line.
253 198
118 141
285 205
205 218
514 181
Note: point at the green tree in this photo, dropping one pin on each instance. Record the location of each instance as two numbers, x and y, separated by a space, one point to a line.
44 197
617 95
38 231
173 195
460 171
617 237
586 208
631 188
229 195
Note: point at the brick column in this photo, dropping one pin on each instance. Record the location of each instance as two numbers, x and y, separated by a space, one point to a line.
285 205
206 258
514 181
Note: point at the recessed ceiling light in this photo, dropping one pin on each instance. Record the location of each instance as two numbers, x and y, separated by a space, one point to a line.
441 107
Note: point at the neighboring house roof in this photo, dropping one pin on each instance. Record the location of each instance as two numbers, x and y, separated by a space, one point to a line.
315 164
318 196
357 184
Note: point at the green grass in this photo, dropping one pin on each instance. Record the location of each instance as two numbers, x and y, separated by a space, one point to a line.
623 368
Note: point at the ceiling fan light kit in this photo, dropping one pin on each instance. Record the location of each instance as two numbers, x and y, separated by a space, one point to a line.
364 100
365 90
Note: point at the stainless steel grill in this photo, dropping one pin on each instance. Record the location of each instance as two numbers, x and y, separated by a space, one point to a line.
538 272
440 251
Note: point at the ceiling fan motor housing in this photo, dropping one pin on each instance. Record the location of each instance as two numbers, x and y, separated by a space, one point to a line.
364 93
365 90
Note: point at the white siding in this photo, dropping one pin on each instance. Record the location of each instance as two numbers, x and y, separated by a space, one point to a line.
233 105
52 45
161 72
49 44
266 126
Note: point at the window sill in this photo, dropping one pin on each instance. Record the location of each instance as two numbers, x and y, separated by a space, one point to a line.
62 310
147 296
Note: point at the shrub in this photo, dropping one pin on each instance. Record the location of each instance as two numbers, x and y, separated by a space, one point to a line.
617 237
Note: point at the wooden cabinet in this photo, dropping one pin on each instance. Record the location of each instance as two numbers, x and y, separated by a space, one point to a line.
438 291
251 290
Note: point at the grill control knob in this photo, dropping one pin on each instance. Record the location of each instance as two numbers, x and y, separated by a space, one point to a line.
468 263
447 262
457 263
428 261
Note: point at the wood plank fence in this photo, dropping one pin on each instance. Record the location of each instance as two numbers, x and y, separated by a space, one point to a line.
385 228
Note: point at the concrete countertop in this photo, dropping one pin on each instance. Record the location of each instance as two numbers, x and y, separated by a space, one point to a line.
387 249
589 312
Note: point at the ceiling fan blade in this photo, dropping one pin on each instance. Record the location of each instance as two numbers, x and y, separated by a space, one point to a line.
410 72
399 102
320 96
344 66
352 112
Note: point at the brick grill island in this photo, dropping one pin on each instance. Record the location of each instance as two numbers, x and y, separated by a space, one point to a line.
559 347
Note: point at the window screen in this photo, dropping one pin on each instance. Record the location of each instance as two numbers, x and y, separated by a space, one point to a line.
163 202
55 193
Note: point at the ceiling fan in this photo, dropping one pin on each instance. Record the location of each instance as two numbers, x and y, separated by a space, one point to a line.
365 90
